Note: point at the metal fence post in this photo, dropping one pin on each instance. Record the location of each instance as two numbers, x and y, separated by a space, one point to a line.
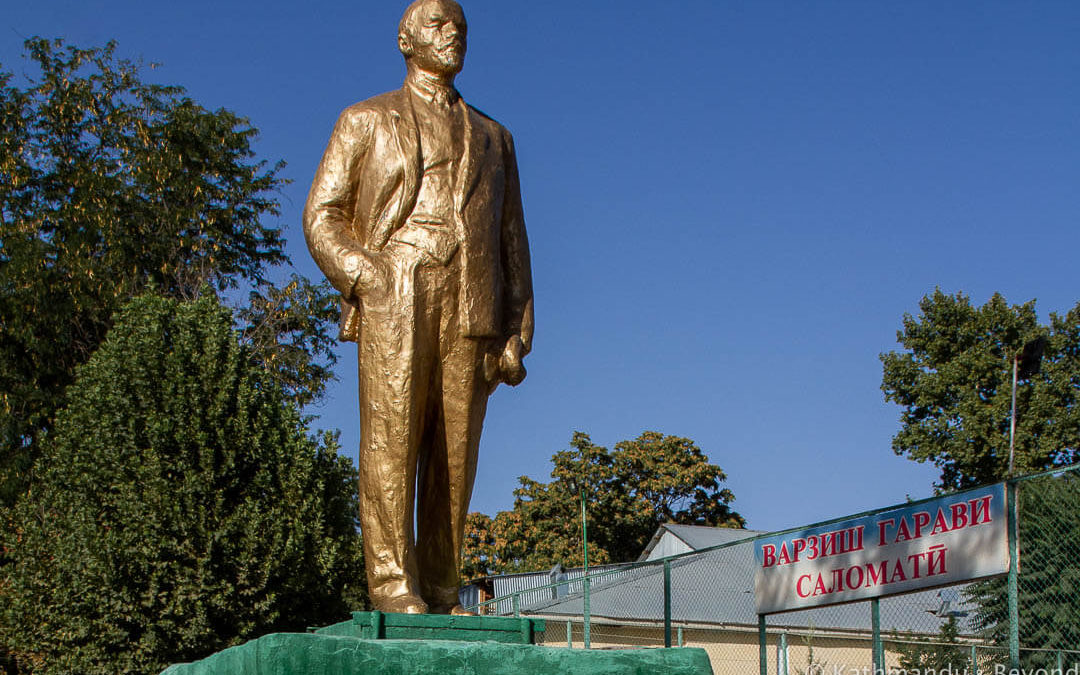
586 614
875 626
974 661
516 600
681 643
763 647
1014 603
570 635
781 656
667 602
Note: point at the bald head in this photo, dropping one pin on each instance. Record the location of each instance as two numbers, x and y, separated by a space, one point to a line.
409 18
431 36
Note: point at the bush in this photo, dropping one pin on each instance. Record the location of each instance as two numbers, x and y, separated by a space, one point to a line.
179 506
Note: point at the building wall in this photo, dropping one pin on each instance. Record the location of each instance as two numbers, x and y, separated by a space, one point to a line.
731 651
668 545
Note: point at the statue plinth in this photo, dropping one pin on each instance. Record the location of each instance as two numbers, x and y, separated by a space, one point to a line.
303 653
390 626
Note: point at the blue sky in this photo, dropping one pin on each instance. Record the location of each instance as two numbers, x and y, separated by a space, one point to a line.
731 205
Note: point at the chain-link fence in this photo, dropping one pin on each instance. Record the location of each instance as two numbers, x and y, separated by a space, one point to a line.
1029 618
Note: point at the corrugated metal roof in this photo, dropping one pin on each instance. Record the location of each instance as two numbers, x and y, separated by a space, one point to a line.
539 587
699 536
695 537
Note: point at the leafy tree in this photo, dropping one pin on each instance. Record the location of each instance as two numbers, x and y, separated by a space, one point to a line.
669 480
108 186
954 383
180 506
630 491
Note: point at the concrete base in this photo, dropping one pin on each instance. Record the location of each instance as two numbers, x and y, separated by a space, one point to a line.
302 653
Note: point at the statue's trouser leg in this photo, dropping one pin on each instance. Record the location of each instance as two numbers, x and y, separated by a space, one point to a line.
448 452
393 398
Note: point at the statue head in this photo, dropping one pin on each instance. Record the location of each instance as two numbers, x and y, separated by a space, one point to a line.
431 37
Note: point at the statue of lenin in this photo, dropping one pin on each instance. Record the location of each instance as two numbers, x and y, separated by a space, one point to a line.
415 218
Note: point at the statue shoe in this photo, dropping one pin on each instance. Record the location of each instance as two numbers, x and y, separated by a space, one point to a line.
403 604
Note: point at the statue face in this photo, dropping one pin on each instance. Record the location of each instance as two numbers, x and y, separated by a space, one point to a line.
435 38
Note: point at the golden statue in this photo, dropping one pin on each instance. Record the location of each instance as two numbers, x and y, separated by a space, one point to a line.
415 217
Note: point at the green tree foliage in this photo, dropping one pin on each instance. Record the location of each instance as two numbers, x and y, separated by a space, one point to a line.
479 555
954 377
941 654
630 492
180 506
108 186
814 664
1049 579
286 330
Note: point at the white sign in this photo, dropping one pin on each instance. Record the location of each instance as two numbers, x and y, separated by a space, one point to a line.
930 543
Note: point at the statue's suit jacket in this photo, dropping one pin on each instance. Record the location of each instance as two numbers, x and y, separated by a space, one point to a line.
366 187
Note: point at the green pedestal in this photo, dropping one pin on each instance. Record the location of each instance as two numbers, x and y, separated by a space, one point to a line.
383 626
303 653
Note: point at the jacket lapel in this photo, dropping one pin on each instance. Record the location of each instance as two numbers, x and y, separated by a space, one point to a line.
408 137
472 159
407 141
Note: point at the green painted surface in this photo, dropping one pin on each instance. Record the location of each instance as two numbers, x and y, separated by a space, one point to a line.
304 653
377 625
